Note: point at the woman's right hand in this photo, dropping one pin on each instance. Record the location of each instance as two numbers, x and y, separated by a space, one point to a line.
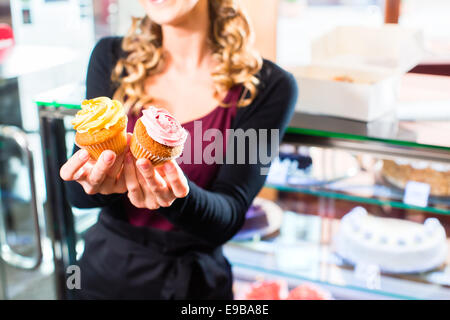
103 176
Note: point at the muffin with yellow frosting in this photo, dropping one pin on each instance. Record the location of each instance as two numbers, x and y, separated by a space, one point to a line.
101 125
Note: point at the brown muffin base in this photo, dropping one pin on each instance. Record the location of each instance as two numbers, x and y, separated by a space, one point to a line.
143 146
114 139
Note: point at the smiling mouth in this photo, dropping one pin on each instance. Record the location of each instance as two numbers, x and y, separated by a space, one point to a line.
157 1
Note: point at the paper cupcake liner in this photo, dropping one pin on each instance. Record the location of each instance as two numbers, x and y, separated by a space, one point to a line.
118 143
139 152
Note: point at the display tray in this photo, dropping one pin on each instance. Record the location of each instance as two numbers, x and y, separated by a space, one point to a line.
327 166
303 251
399 192
352 264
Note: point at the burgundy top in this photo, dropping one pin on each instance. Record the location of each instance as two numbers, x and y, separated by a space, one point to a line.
201 173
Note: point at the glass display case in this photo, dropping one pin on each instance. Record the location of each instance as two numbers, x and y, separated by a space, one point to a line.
335 180
312 241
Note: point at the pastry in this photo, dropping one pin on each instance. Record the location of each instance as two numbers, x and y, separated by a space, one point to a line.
101 125
264 290
308 291
157 136
344 78
393 245
399 172
255 218
278 290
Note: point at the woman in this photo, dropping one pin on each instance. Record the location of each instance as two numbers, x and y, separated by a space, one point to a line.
160 232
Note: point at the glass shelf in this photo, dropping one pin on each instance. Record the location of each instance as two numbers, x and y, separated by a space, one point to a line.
68 96
344 176
300 252
368 194
421 133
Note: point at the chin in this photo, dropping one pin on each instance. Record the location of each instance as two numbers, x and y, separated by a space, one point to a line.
168 12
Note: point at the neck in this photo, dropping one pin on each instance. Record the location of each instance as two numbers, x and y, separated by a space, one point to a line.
186 40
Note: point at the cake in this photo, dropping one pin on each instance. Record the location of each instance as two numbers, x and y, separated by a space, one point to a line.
399 172
344 78
300 156
277 290
262 219
293 166
265 290
101 125
308 291
303 161
348 79
255 218
394 245
157 136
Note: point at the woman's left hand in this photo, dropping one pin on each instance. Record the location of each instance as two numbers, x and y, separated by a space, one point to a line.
153 187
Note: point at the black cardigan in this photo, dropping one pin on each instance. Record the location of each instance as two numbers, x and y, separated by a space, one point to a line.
216 214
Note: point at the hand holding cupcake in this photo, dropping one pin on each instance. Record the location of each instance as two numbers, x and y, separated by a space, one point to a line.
101 134
158 139
155 179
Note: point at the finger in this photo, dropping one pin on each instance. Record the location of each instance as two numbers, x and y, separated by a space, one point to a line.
117 166
107 186
176 179
73 165
160 170
81 174
116 179
87 187
120 185
84 172
150 199
151 176
101 168
135 193
114 185
155 183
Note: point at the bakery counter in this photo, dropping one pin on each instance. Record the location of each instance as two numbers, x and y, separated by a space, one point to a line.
360 225
364 226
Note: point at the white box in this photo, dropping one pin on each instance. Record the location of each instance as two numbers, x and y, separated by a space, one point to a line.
391 47
375 58
372 94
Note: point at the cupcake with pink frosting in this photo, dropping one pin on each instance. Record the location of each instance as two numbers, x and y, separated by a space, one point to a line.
157 136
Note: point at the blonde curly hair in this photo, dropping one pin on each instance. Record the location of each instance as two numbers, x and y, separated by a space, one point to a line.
230 38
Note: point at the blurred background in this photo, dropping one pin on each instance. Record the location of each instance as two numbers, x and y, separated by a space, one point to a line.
45 46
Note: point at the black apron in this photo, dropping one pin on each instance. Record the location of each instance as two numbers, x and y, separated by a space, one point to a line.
121 261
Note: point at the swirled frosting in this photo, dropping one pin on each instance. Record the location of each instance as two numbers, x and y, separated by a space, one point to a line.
162 127
97 114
